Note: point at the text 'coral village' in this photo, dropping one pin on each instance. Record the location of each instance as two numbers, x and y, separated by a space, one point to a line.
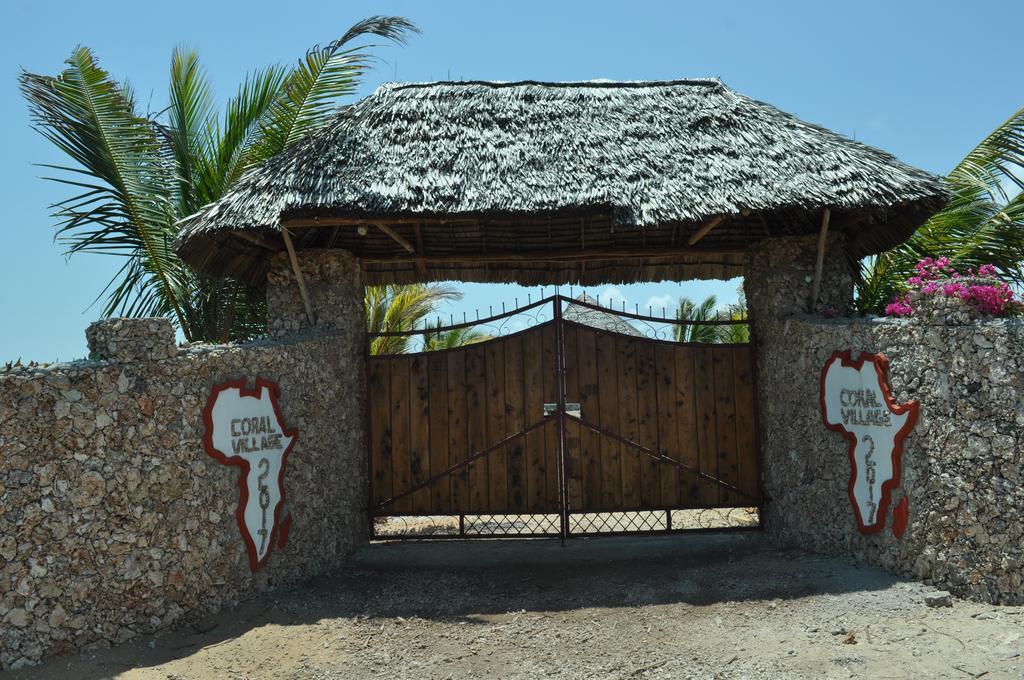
244 429
857 402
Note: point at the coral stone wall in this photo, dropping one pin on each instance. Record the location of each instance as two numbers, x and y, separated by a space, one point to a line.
334 284
963 464
115 522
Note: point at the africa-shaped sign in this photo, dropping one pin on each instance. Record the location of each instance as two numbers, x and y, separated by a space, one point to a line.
244 428
856 401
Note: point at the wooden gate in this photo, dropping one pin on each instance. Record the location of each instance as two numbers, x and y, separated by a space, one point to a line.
578 424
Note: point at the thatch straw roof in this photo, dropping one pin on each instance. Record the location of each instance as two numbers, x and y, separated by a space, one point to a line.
597 318
558 182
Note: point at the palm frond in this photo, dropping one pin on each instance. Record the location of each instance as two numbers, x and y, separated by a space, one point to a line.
126 207
456 337
237 139
689 311
133 176
190 115
228 310
399 308
737 333
996 160
326 74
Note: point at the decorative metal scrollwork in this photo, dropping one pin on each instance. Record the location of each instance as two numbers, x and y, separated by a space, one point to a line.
583 311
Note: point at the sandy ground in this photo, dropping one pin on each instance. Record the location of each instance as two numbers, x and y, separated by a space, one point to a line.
701 606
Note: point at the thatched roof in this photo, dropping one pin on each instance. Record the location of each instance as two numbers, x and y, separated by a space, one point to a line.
511 181
597 318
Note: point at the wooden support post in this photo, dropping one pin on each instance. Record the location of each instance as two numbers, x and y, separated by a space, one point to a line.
421 264
820 261
705 229
258 239
298 275
334 236
398 238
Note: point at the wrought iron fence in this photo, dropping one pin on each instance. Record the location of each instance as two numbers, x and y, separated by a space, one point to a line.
729 326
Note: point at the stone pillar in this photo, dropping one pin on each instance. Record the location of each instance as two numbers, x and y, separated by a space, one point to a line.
777 282
334 281
780 273
126 340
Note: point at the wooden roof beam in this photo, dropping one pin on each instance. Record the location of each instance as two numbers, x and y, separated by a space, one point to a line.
705 229
819 260
555 255
421 265
259 239
302 223
395 236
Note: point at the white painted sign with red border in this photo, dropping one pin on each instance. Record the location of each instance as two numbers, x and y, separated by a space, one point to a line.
244 429
857 402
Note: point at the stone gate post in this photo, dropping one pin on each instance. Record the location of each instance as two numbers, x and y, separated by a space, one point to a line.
778 280
779 276
334 281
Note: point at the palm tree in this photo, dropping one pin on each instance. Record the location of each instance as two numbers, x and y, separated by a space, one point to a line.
689 311
708 311
135 175
395 308
456 337
737 333
983 222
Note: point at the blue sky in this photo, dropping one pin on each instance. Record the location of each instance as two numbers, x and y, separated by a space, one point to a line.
923 80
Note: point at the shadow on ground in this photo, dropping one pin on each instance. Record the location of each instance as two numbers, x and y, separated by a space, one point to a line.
466 581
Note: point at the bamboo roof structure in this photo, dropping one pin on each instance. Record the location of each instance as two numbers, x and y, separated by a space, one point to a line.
544 183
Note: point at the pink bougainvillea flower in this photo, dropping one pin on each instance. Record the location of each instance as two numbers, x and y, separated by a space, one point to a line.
899 307
980 289
953 289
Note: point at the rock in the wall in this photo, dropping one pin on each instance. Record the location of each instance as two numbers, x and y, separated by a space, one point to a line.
334 283
120 339
114 520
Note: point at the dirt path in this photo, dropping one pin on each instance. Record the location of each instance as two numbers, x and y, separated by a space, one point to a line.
697 606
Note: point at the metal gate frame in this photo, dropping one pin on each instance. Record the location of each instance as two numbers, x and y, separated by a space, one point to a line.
565 512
